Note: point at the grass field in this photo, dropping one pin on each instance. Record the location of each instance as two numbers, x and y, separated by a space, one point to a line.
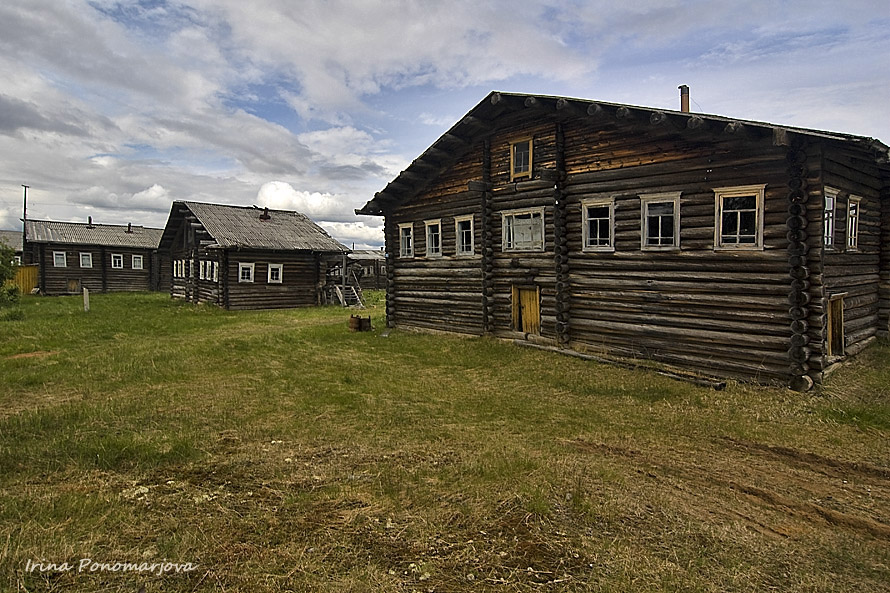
276 451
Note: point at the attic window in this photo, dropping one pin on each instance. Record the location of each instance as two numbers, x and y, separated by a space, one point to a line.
521 158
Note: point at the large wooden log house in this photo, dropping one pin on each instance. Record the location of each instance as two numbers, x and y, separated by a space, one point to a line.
247 257
72 256
733 248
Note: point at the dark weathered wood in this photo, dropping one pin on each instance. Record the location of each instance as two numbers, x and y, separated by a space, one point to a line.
754 314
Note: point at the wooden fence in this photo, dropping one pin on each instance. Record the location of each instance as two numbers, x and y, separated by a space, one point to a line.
26 278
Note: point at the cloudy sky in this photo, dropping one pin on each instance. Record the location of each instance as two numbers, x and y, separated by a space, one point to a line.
114 109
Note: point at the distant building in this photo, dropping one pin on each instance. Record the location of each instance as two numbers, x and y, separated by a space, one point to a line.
101 257
13 239
370 267
247 257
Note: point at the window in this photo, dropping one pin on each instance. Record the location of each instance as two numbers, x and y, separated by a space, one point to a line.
521 158
853 211
739 217
276 273
136 263
523 230
117 261
86 260
433 238
215 272
202 270
598 223
406 240
59 259
245 272
17 259
660 221
828 217
463 231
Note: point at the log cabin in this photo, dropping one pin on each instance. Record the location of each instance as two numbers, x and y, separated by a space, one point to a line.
247 257
72 256
732 248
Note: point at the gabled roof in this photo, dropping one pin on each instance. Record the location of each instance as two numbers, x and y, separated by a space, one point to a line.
367 254
81 233
481 121
252 228
12 239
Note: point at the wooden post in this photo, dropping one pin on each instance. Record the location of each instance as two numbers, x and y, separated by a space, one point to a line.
86 299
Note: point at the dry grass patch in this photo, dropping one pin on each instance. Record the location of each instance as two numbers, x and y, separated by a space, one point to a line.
279 452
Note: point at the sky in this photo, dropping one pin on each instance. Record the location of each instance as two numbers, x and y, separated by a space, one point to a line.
114 109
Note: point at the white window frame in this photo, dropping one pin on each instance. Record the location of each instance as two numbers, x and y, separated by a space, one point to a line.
647 200
202 270
89 257
280 268
17 259
56 256
853 222
739 191
585 227
427 224
245 266
215 271
120 257
507 242
406 251
458 243
133 262
526 172
829 218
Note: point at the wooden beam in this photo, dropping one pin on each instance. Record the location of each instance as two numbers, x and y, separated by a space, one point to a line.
780 137
695 122
734 127
532 102
594 110
623 113
474 185
657 118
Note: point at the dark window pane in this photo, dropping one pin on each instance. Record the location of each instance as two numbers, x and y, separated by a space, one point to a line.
740 203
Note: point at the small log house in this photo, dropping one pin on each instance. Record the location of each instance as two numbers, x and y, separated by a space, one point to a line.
733 248
72 256
247 257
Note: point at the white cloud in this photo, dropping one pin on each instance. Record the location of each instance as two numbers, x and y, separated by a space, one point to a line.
282 196
362 235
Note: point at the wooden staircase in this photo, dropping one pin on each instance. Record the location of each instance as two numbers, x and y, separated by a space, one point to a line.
350 296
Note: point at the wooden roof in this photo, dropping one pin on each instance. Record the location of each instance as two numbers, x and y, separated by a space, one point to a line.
482 120
12 239
82 233
253 228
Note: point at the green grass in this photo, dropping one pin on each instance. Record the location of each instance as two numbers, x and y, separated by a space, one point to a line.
280 452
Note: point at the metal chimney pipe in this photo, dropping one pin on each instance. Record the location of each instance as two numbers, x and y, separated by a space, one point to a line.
684 98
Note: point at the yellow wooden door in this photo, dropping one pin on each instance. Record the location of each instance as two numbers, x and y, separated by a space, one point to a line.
527 310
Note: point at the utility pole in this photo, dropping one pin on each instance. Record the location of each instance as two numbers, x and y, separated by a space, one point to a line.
24 219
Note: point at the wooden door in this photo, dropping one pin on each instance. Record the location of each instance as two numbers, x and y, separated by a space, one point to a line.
836 326
527 309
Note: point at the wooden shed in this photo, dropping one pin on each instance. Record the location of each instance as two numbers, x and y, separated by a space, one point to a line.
733 248
242 257
101 257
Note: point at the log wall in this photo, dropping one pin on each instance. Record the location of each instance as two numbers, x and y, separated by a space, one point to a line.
101 277
856 272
